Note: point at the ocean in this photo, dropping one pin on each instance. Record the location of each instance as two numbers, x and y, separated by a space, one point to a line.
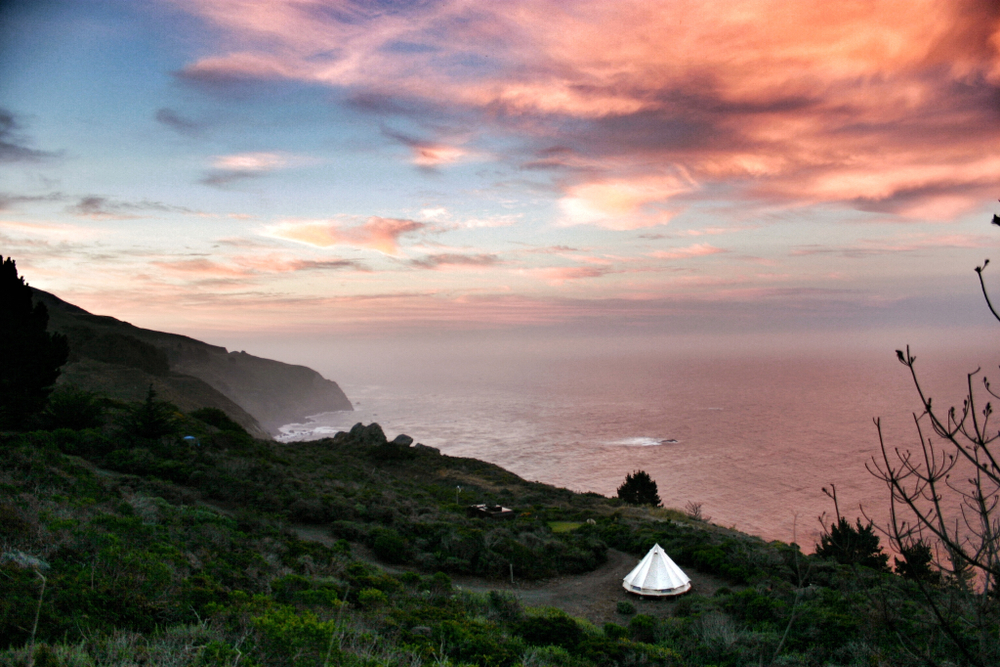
751 435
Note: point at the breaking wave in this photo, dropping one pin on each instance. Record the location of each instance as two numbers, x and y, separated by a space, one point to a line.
644 442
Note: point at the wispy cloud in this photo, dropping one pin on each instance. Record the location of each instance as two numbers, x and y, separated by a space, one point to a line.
375 233
227 169
428 154
456 260
178 123
875 247
557 275
14 146
102 208
9 201
695 250
249 266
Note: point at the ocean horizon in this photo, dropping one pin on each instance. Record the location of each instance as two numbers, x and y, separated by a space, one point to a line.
752 437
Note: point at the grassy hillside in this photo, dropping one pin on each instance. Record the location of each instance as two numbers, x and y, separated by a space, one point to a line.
121 361
157 550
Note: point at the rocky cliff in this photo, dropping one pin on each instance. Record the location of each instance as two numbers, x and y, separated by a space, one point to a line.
122 361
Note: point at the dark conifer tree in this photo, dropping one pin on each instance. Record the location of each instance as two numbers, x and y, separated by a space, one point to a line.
639 489
917 563
851 545
152 419
30 357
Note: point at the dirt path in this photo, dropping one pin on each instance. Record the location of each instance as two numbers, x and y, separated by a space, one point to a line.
593 595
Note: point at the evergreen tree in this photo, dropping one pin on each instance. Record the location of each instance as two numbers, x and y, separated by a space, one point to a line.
30 357
639 489
151 419
849 545
916 563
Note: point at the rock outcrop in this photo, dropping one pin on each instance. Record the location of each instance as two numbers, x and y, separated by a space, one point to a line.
380 447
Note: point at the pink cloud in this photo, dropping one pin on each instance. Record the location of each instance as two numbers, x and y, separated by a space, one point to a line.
243 270
251 161
879 105
429 154
434 155
376 233
562 274
695 250
623 204
203 268
437 261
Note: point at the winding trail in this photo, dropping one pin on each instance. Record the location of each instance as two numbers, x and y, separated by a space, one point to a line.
593 595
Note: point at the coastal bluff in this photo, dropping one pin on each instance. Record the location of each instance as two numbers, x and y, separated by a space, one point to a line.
120 360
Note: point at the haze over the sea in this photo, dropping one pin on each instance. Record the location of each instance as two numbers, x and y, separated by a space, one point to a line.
403 192
751 432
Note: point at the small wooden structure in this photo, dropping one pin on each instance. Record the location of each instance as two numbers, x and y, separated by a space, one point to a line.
489 512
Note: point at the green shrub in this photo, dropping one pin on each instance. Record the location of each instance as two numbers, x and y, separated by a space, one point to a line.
389 546
625 608
285 588
755 608
551 630
643 628
371 598
441 583
290 638
409 578
73 408
219 654
504 607
615 631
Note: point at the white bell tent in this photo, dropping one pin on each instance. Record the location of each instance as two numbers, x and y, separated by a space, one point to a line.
657 575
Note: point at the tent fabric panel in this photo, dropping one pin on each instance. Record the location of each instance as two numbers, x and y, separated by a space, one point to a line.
657 574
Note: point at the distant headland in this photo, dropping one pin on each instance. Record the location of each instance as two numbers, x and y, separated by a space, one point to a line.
122 361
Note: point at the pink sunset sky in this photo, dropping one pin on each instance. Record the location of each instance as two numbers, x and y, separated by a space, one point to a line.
326 167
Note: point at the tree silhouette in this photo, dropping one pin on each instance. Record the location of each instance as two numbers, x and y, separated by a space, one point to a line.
151 419
917 563
851 545
30 357
639 489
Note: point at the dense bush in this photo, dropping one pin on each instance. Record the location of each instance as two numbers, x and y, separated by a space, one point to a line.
555 630
70 407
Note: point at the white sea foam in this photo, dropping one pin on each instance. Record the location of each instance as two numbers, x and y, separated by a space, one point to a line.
643 442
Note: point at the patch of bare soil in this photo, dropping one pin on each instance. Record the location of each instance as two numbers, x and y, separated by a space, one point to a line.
593 595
